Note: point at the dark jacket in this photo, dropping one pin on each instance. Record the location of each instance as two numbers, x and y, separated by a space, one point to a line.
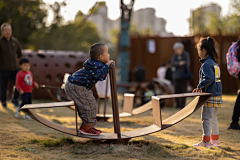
92 72
179 71
209 77
10 51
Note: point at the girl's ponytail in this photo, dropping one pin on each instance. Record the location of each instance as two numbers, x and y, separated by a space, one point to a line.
209 45
212 50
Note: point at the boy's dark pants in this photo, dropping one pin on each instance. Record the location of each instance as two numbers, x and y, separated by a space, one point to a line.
4 77
236 111
26 99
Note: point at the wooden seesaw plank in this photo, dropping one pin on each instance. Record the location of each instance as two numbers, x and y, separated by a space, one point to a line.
176 118
128 110
156 106
135 111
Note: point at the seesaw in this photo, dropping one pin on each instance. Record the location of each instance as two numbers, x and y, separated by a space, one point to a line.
128 101
158 125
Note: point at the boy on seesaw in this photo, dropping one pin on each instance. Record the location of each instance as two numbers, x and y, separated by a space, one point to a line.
79 84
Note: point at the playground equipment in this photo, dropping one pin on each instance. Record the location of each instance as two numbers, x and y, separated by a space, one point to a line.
158 125
61 94
128 101
53 65
124 42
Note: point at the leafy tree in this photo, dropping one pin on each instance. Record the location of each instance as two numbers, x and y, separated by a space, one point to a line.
228 25
28 19
57 17
216 25
231 21
197 22
235 6
93 10
73 36
25 16
134 31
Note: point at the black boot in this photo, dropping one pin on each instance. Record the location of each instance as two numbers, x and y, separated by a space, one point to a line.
234 126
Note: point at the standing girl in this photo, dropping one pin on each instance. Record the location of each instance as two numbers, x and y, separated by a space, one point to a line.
209 82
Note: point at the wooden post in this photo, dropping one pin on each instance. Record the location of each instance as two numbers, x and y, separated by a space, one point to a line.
157 117
76 120
99 103
114 101
128 101
106 98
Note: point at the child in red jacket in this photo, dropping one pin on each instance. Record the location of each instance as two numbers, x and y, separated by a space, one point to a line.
24 84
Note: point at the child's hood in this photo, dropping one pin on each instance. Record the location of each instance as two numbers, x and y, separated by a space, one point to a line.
93 64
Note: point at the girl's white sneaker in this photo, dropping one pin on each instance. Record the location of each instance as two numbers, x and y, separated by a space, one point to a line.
203 144
215 143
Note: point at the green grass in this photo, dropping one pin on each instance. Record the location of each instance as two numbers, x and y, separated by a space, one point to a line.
52 142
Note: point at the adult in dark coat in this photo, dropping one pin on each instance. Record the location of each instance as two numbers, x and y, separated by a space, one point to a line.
236 110
180 68
10 51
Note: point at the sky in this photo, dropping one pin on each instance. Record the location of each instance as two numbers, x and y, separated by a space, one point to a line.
175 12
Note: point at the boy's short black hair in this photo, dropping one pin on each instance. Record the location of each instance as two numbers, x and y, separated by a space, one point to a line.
150 86
23 60
96 50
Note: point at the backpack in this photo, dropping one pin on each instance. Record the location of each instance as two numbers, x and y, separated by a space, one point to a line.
233 65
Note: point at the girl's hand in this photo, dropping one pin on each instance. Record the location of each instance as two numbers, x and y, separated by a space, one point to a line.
197 90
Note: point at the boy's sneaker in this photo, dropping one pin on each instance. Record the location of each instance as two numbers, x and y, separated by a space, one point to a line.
203 144
91 131
97 130
26 117
15 102
4 104
234 126
17 114
215 143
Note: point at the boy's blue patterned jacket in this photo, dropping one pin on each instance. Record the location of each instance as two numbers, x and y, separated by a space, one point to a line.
92 72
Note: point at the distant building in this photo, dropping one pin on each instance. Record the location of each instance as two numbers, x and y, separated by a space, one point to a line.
201 17
143 19
103 23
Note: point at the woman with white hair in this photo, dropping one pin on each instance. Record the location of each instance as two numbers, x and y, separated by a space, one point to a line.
180 67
